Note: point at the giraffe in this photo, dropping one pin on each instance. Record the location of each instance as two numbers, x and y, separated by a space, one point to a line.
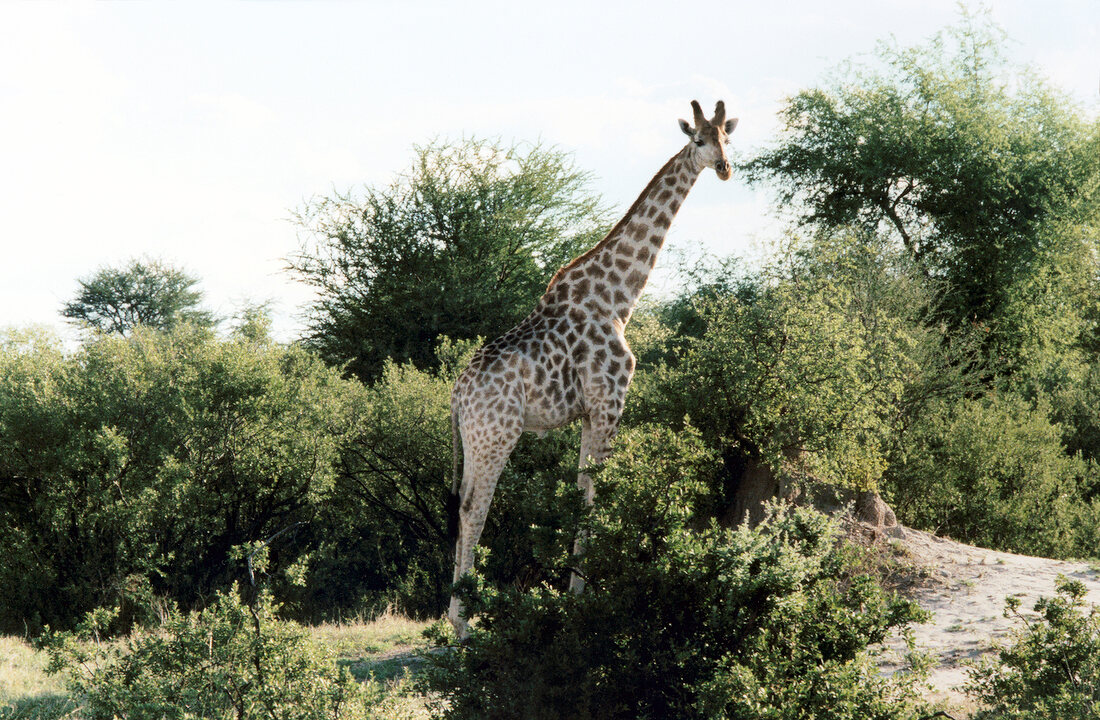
568 359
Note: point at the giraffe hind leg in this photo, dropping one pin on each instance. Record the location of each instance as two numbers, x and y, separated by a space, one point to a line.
483 463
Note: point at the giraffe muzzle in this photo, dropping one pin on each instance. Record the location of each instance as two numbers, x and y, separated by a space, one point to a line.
722 167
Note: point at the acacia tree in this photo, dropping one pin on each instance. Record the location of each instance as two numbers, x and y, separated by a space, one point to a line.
151 293
461 245
987 177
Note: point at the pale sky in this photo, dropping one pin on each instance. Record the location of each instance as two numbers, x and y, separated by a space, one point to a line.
191 131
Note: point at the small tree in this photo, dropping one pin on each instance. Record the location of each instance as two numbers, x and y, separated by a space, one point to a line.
461 245
144 292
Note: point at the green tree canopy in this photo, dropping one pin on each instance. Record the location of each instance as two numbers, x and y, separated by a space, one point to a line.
461 245
987 175
143 292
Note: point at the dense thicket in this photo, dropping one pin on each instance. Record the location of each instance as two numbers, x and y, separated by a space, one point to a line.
134 466
988 180
674 622
385 540
806 366
931 332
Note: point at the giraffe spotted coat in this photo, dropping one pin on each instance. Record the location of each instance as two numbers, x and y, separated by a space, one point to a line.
568 359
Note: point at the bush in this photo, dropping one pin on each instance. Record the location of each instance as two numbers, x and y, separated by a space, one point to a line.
232 660
804 369
675 622
386 541
993 472
1052 669
132 466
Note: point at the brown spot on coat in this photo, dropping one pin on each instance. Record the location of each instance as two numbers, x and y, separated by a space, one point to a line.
580 289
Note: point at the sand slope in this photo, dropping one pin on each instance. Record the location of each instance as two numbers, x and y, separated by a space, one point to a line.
966 591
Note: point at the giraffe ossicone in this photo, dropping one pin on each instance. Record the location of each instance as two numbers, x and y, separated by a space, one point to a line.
568 359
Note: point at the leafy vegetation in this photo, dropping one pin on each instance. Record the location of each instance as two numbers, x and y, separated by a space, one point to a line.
994 471
986 179
984 173
1051 669
804 368
231 660
673 622
133 467
146 293
930 332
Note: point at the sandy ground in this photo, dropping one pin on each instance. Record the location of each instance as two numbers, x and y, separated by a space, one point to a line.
965 588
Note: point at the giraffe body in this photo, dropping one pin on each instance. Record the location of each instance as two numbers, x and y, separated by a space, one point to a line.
569 359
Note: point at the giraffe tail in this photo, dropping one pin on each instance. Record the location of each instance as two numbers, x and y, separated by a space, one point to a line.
456 480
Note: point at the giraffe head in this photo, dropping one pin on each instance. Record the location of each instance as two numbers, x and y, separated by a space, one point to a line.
709 138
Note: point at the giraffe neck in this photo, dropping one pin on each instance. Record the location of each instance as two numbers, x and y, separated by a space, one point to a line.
614 272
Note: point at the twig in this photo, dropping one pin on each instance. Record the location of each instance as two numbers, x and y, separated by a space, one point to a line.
265 543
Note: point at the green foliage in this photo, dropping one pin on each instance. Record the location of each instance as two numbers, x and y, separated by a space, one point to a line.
675 622
1051 669
993 472
985 173
385 540
144 293
231 660
806 369
462 245
131 468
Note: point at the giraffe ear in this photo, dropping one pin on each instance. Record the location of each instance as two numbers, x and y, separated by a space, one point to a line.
730 125
688 129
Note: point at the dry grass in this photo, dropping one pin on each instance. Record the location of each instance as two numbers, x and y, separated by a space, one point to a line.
26 691
384 634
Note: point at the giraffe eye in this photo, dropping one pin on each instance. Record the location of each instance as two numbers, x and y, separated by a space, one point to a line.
699 142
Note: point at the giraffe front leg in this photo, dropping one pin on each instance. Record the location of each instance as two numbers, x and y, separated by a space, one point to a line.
597 433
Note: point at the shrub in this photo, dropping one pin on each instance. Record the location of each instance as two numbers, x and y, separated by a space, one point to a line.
1052 669
139 462
231 660
675 622
993 472
804 369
